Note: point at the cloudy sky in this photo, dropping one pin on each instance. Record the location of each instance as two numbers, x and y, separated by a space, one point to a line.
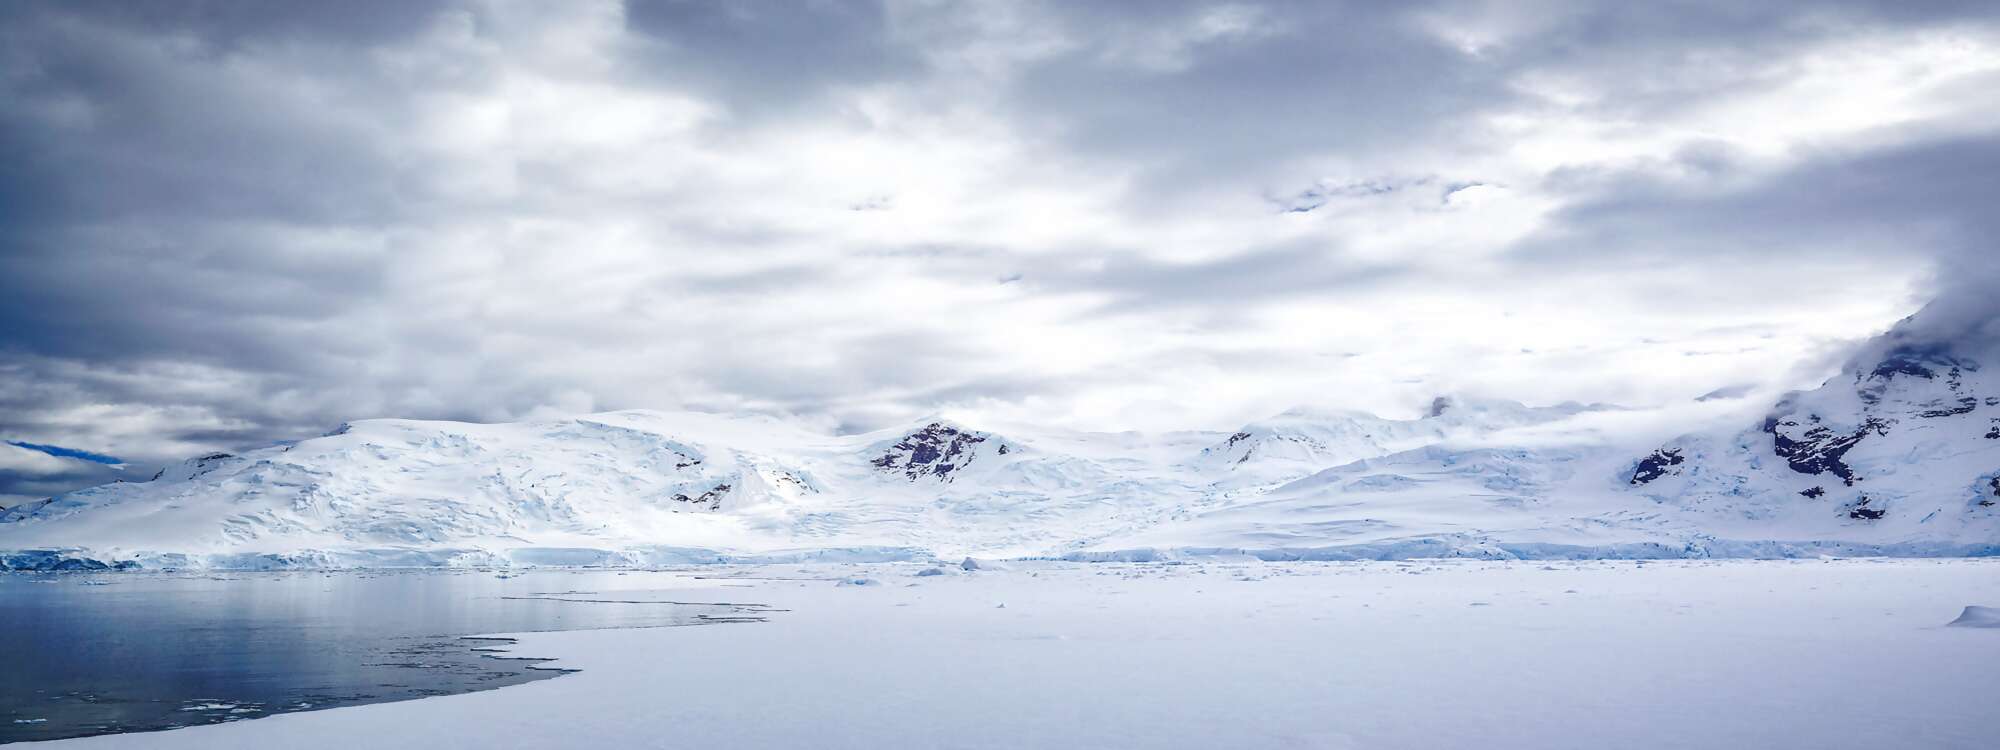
224 224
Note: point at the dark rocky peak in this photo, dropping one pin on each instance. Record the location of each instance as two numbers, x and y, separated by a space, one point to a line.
1810 447
937 450
1928 372
1925 375
1663 462
1905 361
1439 406
1949 407
1231 443
1862 512
710 499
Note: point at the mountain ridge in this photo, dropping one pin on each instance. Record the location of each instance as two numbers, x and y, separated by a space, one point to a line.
1897 454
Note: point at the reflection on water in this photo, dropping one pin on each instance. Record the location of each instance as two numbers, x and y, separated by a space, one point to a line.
95 654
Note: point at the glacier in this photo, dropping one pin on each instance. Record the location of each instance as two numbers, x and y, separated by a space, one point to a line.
1898 454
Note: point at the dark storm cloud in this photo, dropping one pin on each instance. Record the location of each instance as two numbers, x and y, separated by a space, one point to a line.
762 56
175 293
1927 200
1600 32
1353 79
109 123
1926 205
143 176
44 396
1305 79
25 487
227 24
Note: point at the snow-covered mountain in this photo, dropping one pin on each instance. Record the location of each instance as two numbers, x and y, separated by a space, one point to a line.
619 487
1899 454
1903 445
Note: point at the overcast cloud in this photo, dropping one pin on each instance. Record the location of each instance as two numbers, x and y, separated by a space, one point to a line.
224 224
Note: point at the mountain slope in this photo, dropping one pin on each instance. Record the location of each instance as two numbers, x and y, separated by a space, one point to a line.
1902 446
1303 440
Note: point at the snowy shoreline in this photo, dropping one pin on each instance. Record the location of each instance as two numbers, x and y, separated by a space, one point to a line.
1801 653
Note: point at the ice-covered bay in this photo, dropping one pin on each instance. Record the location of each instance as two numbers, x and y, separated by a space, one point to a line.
1709 654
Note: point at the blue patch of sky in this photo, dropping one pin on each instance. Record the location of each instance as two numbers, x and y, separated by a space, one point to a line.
57 450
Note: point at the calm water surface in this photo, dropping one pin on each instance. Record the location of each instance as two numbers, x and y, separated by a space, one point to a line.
102 653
